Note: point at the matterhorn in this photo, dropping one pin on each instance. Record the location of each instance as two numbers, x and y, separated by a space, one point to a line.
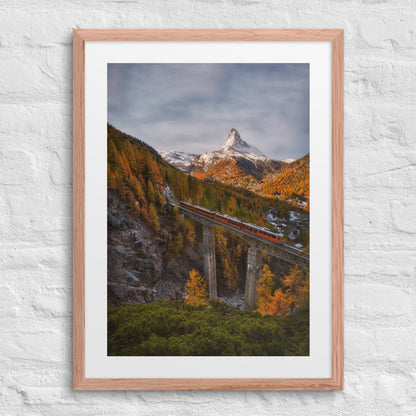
236 162
236 146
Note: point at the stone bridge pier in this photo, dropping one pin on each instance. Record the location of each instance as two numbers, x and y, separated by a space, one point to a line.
209 260
254 256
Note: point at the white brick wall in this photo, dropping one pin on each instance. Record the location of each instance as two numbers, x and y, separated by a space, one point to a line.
35 204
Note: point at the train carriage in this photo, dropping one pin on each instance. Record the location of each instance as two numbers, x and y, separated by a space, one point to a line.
234 222
261 232
197 209
221 217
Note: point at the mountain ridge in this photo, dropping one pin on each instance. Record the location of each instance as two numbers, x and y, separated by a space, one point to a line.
241 164
236 163
178 159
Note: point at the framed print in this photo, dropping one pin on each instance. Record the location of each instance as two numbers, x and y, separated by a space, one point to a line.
208 210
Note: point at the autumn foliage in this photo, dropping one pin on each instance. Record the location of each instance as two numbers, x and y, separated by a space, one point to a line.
138 174
230 253
196 293
291 181
195 325
293 295
264 291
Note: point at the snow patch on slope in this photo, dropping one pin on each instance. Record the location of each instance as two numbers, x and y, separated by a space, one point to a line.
181 160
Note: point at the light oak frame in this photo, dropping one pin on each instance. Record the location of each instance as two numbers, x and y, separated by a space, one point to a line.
80 382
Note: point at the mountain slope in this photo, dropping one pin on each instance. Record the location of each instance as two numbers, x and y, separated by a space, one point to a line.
237 163
151 247
291 181
240 164
181 160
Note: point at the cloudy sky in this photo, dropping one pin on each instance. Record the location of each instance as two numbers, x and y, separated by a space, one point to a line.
192 107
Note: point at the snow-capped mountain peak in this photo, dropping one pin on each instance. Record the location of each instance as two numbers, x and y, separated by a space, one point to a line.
235 163
236 146
234 140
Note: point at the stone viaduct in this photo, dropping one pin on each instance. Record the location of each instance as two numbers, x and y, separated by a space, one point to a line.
257 245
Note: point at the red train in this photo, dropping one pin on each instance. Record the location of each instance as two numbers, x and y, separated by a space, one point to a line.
234 222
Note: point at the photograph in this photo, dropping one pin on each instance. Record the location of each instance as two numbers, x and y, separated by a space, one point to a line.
208 201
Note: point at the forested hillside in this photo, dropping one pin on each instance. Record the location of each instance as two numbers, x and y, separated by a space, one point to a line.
239 172
154 253
142 225
138 173
242 165
291 181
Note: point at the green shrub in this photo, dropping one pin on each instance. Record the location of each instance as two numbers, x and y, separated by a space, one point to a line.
175 328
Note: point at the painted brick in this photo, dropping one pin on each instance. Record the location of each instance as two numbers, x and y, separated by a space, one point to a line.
44 346
17 166
60 168
370 301
396 344
36 204
404 215
54 302
8 303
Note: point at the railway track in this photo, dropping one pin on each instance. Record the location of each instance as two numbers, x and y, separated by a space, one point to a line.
293 251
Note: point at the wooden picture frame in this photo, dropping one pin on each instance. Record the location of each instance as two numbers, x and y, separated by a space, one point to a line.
80 382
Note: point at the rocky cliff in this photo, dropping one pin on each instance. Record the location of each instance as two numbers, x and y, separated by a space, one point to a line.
139 267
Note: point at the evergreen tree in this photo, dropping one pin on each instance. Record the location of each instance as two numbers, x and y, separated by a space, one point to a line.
150 192
124 165
304 293
155 174
138 190
129 152
111 179
189 231
178 244
295 282
160 200
153 218
112 153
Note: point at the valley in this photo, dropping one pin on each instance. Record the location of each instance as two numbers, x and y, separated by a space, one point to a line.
153 248
207 228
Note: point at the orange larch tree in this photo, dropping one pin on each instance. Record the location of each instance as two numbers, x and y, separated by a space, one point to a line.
196 289
279 303
264 291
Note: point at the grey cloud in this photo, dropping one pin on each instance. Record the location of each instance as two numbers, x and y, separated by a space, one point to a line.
192 107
